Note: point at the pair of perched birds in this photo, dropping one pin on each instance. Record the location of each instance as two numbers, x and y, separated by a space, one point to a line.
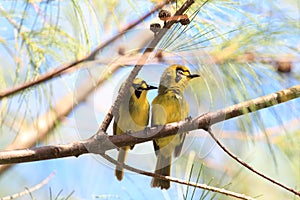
168 106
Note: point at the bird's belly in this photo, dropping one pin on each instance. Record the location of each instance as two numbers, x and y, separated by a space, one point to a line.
167 144
135 120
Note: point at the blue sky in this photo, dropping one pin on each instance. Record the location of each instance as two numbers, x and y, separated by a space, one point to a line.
90 175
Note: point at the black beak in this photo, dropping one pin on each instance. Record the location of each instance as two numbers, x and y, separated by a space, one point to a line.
193 76
150 87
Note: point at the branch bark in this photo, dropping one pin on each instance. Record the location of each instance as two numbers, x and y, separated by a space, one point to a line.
100 143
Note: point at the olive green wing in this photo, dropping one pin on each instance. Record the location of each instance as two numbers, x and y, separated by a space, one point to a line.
178 148
157 117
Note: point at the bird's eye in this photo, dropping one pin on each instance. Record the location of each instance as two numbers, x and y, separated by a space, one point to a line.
136 86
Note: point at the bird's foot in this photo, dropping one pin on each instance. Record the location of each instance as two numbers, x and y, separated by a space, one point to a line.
188 119
147 130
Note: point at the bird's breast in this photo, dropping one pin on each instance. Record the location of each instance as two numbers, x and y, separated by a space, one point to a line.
169 107
134 116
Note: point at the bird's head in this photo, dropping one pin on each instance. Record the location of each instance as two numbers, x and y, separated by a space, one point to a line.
140 88
175 77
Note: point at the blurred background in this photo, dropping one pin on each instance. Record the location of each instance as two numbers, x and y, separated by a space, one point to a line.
242 50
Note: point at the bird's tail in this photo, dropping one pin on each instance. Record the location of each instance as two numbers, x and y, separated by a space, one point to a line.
121 158
163 167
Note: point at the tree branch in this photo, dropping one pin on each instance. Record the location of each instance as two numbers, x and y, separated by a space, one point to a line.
139 65
236 158
176 180
57 71
100 143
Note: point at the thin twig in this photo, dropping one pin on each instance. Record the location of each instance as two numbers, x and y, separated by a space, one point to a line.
236 158
100 143
29 190
57 71
67 103
180 181
62 108
139 65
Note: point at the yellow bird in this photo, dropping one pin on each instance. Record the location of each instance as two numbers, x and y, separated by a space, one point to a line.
169 106
133 115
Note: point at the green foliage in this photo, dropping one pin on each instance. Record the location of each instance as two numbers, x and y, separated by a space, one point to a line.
236 46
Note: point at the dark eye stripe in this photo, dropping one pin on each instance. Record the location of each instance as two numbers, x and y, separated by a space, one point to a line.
184 70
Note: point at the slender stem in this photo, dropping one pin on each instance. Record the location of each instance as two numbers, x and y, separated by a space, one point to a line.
30 133
57 71
236 158
180 181
29 190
